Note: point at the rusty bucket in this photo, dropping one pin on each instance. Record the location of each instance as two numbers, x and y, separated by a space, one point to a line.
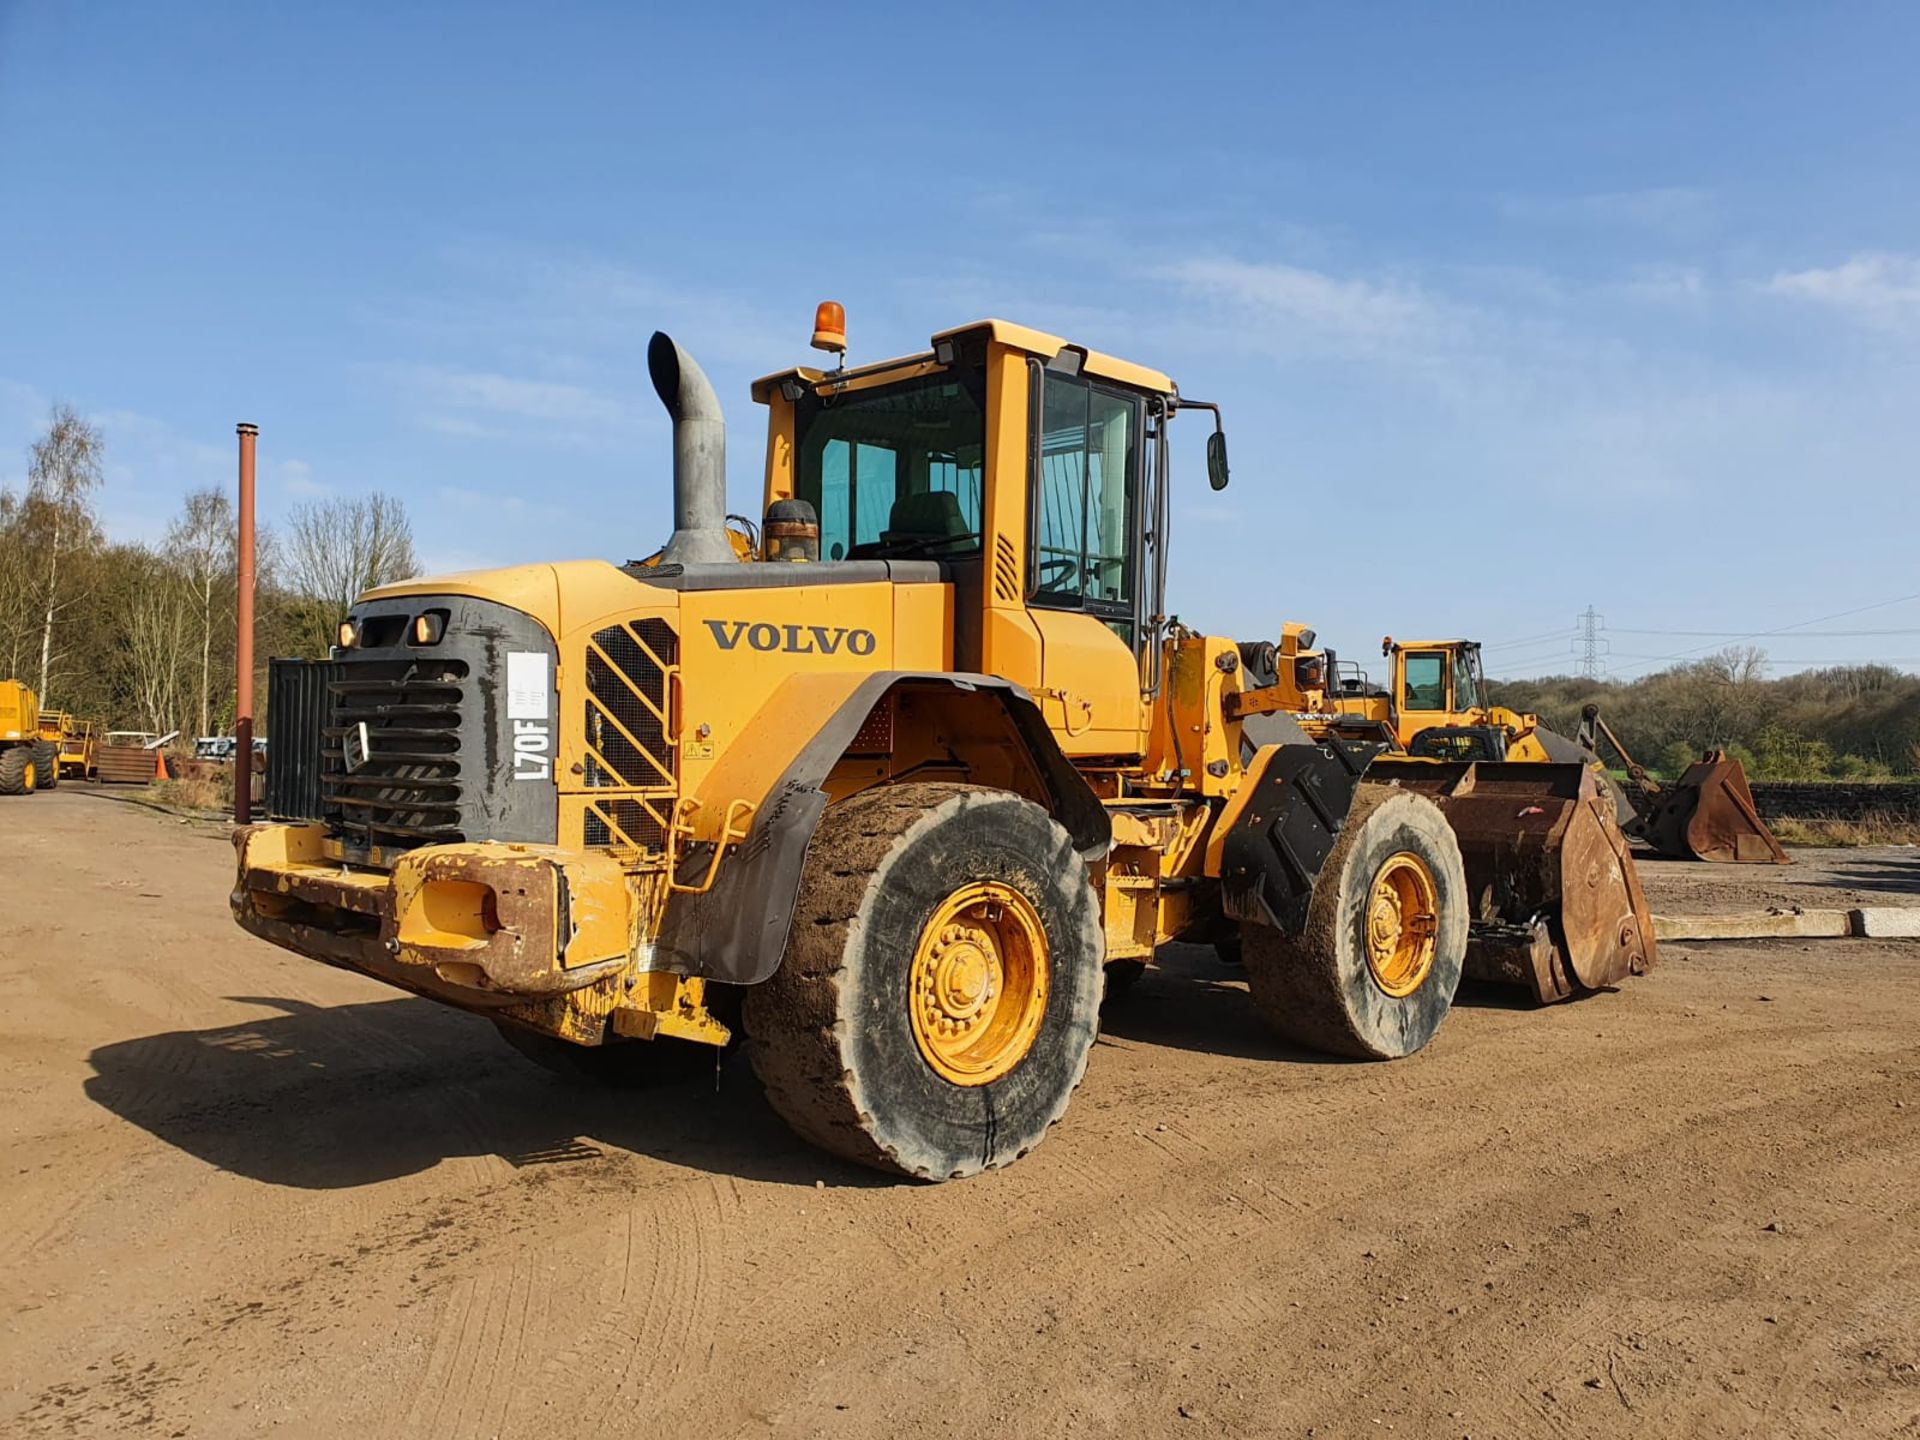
1557 904
1709 814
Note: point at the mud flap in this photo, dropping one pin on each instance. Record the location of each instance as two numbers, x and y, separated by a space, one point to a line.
736 932
1274 853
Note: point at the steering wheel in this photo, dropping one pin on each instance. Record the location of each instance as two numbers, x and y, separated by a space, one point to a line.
1062 568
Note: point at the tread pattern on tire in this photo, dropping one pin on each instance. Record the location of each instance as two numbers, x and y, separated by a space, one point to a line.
1314 988
13 769
46 765
799 1033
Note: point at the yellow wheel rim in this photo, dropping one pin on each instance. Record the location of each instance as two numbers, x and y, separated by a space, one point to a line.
978 986
1402 920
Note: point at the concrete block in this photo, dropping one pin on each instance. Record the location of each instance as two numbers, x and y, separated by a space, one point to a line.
1888 922
1756 925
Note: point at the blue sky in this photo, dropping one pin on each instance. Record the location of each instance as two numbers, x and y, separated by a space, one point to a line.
1512 310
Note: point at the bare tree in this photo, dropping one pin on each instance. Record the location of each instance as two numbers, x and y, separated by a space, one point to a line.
333 550
58 518
159 619
1737 664
201 545
17 582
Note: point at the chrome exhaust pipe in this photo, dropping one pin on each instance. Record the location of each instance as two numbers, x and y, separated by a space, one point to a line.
699 456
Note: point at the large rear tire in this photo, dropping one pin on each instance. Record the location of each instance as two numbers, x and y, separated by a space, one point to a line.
941 986
46 764
17 771
1373 972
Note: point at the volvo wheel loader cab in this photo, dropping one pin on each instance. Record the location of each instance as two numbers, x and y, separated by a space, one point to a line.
887 793
1435 705
27 760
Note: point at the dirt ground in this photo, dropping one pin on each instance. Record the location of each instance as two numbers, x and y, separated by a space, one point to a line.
242 1191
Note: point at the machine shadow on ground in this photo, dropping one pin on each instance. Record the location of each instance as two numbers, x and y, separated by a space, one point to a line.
1190 999
329 1097
1894 876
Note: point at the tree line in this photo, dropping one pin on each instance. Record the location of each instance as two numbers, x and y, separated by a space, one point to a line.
139 636
1846 722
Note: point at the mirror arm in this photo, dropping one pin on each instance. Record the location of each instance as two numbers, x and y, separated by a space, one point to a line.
1182 403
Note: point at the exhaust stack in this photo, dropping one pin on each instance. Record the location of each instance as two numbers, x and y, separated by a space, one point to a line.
699 456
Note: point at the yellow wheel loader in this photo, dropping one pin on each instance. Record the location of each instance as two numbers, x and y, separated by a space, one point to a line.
890 791
28 760
1435 705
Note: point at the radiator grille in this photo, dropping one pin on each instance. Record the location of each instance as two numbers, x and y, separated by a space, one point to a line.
408 791
298 707
628 723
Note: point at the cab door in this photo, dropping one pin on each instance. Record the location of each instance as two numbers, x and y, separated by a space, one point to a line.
1422 691
1083 556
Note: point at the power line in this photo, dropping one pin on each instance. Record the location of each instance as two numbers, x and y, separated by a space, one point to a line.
1798 624
1793 660
1527 640
1741 634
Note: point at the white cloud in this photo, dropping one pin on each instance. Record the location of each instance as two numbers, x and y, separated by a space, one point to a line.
1670 210
495 394
463 498
1667 285
1311 309
296 478
1879 288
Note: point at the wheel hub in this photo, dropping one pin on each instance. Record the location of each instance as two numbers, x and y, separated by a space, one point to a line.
978 985
1402 921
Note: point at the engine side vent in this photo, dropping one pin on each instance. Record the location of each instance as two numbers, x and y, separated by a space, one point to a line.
1006 570
630 754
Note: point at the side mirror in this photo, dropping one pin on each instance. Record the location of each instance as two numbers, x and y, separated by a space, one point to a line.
1217 460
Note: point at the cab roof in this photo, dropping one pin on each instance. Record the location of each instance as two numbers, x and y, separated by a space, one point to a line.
1037 343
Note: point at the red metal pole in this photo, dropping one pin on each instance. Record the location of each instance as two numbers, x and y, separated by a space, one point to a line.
243 659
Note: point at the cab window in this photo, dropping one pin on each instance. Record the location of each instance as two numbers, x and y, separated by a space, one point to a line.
1085 488
896 470
1426 681
1466 678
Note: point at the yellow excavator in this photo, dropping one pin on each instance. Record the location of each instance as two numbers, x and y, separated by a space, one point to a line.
887 783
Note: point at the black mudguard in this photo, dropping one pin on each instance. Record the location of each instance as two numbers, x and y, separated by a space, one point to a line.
1272 856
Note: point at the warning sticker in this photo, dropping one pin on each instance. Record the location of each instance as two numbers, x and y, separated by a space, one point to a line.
529 690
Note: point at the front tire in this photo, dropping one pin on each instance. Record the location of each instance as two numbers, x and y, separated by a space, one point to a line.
18 773
941 986
1374 970
46 764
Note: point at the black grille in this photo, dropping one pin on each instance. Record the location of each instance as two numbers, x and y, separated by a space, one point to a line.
407 793
640 827
626 732
297 706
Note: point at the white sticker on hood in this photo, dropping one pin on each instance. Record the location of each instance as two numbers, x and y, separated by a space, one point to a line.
529 690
